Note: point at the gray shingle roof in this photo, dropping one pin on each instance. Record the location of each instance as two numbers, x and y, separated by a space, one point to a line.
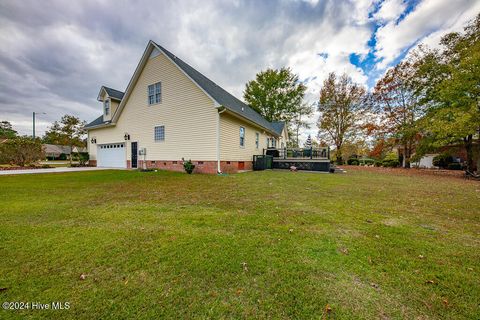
216 92
95 122
219 94
116 94
278 126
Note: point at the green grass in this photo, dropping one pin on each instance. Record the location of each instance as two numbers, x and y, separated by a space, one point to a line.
253 245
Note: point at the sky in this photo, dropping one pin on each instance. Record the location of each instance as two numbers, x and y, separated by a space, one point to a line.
55 55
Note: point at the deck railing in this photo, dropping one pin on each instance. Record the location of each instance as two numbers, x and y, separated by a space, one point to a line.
298 153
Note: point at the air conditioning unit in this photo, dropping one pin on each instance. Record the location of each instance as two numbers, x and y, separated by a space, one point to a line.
142 151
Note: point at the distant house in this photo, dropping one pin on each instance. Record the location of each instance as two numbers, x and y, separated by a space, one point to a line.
55 152
170 112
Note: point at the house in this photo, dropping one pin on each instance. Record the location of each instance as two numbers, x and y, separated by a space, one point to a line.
55 151
170 112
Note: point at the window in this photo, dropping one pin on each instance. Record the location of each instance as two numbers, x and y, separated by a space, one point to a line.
159 133
273 143
155 93
257 139
106 107
268 140
242 136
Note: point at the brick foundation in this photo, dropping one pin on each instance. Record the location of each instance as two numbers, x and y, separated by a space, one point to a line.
209 167
92 163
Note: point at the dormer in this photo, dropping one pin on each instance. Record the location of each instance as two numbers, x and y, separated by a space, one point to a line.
110 99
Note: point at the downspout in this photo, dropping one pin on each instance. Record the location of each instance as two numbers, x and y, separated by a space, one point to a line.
220 110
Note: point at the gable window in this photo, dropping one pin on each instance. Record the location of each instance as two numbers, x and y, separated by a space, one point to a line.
159 133
257 140
106 107
242 136
155 93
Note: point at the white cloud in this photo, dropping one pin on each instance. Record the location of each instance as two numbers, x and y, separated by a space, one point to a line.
390 10
429 16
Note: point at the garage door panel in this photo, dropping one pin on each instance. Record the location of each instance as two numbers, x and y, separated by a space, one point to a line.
111 155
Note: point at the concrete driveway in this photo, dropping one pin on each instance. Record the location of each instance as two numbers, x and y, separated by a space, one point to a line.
54 170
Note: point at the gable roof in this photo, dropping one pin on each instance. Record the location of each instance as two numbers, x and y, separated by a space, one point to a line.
215 92
278 126
112 93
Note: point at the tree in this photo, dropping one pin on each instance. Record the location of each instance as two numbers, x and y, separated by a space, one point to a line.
341 106
395 104
6 130
308 143
447 82
275 94
21 151
68 132
300 120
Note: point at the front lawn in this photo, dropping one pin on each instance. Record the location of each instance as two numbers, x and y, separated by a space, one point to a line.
361 245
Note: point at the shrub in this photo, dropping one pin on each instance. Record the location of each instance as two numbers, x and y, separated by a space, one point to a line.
21 151
62 156
369 161
391 160
83 158
442 160
454 166
188 166
353 162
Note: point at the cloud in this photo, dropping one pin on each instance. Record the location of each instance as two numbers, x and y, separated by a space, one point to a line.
55 58
430 16
390 10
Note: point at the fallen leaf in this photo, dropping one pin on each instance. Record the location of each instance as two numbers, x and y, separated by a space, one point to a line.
429 281
239 291
445 302
344 251
244 264
290 230
369 221
3 289
470 269
377 236
83 276
421 256
374 285
328 309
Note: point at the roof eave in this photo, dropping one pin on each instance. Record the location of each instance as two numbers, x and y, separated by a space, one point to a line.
238 115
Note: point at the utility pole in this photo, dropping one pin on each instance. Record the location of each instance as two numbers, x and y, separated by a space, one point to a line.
33 117
34 125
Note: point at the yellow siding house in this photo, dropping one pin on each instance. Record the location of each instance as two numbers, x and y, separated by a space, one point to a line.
170 112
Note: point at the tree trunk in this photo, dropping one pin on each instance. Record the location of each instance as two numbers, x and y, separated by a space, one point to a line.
406 155
339 155
468 142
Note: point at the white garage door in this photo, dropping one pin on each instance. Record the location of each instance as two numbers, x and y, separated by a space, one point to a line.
112 155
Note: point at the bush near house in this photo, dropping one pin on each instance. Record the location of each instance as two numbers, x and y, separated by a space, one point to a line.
21 151
442 160
188 166
391 160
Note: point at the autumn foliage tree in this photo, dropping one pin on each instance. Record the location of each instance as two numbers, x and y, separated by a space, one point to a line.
69 132
342 105
447 82
396 107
